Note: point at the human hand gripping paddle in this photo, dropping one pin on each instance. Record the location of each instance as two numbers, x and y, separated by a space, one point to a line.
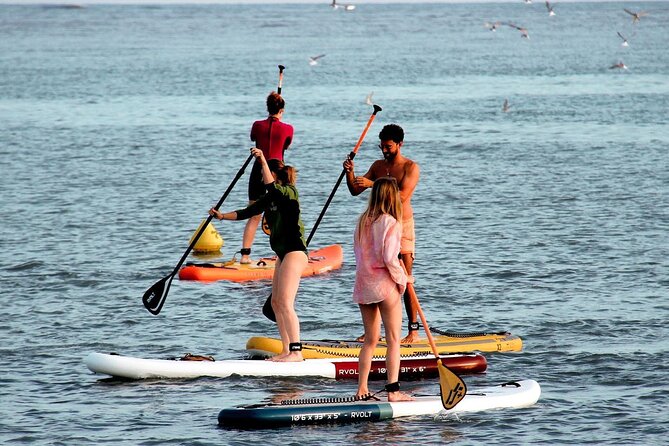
453 388
267 308
154 297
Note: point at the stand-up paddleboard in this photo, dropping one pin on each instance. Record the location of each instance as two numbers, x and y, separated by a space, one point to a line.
320 261
513 394
448 343
416 367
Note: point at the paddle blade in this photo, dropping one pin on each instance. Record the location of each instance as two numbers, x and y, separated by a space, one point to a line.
453 388
267 309
154 297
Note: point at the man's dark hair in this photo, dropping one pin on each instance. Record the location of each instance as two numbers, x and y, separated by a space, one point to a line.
393 132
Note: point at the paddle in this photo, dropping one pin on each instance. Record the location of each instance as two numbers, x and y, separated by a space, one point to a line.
281 68
267 308
453 388
154 297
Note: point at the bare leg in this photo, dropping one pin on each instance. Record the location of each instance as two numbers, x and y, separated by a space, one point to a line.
288 273
249 234
412 311
372 323
280 323
391 314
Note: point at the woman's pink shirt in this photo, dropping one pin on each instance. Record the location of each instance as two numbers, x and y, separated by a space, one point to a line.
378 272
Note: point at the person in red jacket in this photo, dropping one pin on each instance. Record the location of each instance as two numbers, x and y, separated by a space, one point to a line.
273 137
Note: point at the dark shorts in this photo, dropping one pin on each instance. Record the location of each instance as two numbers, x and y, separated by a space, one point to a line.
256 184
281 255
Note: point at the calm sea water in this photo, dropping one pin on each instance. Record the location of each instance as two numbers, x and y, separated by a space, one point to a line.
120 126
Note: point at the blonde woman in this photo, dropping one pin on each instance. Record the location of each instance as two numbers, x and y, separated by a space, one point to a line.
380 281
282 210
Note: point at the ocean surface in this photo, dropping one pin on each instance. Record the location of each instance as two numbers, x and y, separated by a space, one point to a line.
121 125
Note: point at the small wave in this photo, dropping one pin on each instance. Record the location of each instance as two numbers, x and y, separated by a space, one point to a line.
506 274
27 266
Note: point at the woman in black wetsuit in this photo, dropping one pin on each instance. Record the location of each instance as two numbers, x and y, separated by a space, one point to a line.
282 211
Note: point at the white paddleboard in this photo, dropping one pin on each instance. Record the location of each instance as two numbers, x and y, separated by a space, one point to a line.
414 367
514 394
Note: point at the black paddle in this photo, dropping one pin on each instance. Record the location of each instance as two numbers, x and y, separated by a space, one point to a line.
267 308
281 68
154 297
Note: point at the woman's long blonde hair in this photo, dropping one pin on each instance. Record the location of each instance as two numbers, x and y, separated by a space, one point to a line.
384 199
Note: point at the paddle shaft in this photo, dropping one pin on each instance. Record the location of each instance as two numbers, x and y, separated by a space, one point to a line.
154 298
343 172
430 339
414 298
218 205
453 389
267 309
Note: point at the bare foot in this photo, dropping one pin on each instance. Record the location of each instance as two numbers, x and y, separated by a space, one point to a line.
411 338
277 357
362 339
398 396
245 260
361 393
295 356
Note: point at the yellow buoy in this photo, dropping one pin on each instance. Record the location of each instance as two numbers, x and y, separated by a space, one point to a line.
209 241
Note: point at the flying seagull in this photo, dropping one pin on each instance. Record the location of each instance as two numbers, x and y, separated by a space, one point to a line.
368 99
492 26
624 39
347 7
314 60
523 31
550 9
506 106
636 16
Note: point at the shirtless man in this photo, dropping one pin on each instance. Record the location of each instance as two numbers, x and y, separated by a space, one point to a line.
406 172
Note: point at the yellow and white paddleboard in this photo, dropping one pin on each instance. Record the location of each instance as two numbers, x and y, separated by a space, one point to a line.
448 343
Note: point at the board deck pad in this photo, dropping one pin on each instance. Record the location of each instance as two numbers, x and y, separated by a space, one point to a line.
447 343
321 261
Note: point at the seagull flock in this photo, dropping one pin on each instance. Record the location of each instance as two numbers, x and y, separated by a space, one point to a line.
494 26
524 33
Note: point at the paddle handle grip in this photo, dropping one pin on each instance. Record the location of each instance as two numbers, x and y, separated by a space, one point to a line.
218 205
281 68
364 132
